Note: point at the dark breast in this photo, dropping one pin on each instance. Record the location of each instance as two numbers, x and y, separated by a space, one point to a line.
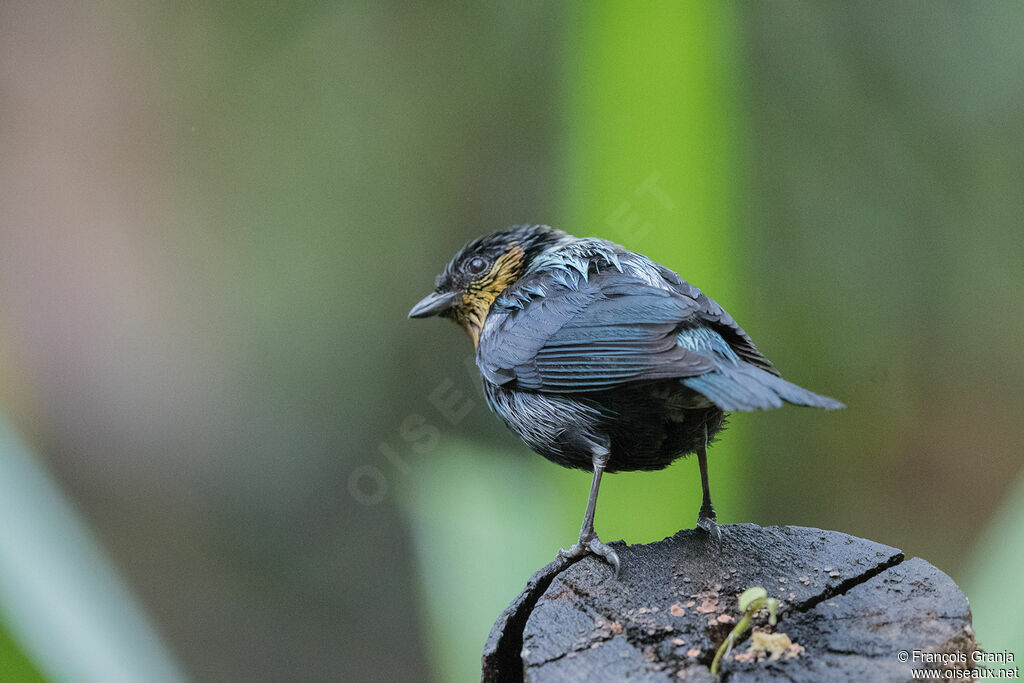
646 425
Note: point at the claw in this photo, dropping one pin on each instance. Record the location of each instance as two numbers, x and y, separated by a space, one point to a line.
709 525
604 550
572 553
593 546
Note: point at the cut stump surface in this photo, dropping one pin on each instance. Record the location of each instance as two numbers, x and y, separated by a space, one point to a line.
850 606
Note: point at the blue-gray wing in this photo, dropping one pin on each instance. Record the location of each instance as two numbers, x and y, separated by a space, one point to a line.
639 323
594 337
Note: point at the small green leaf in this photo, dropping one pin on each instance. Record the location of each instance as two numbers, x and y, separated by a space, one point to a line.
750 595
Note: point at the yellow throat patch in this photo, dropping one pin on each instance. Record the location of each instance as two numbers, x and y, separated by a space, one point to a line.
477 300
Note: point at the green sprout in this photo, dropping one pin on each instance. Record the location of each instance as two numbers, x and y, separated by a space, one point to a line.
751 601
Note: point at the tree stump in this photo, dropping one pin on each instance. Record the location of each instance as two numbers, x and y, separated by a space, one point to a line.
849 605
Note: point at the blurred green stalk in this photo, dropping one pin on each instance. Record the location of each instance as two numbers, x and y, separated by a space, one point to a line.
652 162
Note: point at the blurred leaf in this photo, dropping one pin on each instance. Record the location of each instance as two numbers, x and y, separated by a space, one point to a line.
14 665
482 521
61 599
993 579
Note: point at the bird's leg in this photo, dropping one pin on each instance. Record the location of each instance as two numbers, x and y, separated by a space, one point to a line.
589 542
707 518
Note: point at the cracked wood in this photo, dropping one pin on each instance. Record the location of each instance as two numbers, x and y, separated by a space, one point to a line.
852 604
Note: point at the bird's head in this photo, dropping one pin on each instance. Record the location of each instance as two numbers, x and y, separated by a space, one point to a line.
481 271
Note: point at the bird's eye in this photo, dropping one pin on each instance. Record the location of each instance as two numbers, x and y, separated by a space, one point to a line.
476 266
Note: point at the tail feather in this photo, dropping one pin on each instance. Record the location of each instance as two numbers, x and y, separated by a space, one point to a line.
745 387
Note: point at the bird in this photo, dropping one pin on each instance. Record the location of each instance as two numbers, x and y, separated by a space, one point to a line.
601 359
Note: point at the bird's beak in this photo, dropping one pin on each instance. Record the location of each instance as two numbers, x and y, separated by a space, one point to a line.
434 303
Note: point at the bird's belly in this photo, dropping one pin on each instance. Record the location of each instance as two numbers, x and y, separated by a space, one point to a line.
554 425
646 426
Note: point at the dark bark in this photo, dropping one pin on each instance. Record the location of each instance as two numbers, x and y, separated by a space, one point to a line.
851 604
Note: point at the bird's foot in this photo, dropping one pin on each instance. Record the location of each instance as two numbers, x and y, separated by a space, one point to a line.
592 546
707 520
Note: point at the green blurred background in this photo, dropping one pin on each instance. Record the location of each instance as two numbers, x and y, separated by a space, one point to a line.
230 456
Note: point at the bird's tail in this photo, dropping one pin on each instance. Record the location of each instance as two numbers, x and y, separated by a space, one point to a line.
745 387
